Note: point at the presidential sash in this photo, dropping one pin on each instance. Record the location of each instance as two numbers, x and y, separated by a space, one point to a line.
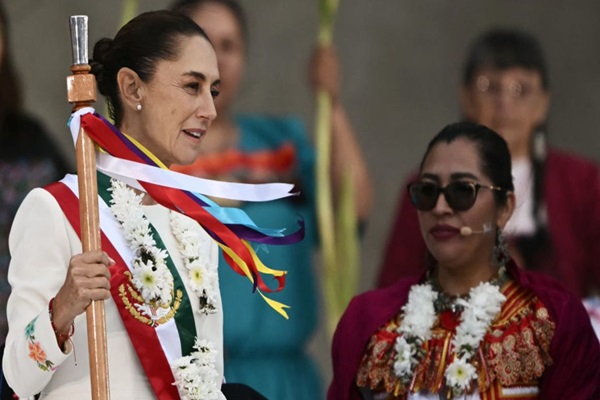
174 332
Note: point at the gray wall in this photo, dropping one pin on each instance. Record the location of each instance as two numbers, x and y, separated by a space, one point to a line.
401 63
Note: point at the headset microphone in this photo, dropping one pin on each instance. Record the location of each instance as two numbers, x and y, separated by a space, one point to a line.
468 231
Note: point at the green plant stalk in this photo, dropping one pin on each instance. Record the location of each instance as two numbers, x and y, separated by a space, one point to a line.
339 240
325 216
327 12
129 11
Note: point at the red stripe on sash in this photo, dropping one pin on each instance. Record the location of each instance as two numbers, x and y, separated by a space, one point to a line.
143 337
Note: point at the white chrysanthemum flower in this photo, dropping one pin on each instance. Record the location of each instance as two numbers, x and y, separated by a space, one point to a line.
460 374
211 290
141 240
465 345
166 293
203 278
207 359
418 319
146 280
404 359
471 326
486 297
181 364
196 275
195 375
160 255
204 345
477 328
419 313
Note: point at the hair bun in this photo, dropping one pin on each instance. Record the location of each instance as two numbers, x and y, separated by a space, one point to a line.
97 68
102 49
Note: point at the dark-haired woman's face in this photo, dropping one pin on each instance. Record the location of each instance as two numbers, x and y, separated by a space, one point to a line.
447 163
510 101
225 32
177 103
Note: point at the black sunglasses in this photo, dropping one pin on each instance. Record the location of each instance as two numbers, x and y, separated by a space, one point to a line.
460 195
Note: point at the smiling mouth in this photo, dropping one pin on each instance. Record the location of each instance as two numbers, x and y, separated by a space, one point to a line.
194 133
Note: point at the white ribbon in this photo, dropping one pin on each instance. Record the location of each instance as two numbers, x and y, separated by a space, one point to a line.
130 172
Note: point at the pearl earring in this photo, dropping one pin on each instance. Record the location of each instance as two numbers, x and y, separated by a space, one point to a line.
139 107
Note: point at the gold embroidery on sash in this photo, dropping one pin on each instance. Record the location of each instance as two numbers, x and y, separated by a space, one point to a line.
134 301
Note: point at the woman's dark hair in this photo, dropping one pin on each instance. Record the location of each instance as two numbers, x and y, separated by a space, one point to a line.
503 49
139 45
187 7
493 152
10 93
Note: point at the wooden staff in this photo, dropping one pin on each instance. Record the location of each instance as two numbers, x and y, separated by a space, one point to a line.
81 92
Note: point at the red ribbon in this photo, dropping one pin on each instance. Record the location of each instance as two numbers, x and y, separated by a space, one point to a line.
177 200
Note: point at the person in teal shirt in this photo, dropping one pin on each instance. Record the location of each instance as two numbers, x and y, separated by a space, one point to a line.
262 349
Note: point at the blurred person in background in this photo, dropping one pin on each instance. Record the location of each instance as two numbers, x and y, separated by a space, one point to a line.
28 157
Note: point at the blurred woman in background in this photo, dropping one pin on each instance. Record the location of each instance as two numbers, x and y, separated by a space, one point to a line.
28 157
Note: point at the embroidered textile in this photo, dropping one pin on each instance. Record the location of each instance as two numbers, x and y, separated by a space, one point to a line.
36 353
514 352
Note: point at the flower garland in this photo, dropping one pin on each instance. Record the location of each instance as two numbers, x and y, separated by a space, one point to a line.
204 278
479 311
151 276
195 375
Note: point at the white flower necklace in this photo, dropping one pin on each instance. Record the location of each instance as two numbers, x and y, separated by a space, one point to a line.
151 276
484 303
203 275
195 375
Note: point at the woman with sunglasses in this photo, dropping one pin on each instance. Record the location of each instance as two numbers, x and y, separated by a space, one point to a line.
474 325
555 228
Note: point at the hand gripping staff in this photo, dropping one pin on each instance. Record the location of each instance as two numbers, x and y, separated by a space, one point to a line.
81 92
